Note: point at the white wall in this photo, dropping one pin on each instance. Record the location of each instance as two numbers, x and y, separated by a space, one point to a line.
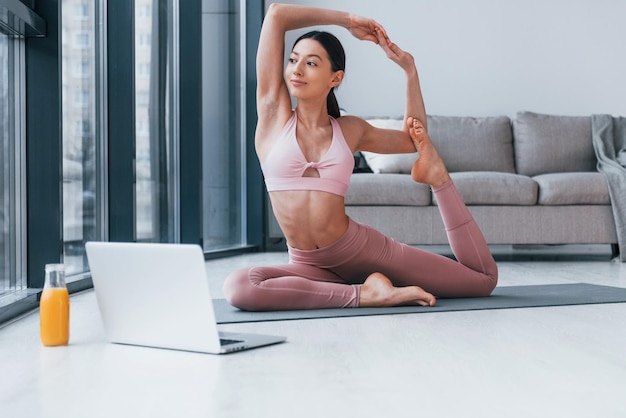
489 57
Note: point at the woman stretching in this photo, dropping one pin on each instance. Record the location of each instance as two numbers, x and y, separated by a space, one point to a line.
306 156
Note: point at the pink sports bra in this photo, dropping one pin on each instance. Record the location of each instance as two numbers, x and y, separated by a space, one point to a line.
285 164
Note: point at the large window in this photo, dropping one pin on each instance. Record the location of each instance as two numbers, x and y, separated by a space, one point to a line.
83 139
12 265
116 125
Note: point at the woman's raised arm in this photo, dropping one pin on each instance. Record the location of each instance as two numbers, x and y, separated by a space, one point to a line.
414 101
387 141
273 99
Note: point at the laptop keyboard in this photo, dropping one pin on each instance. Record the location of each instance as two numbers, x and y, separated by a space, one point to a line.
225 341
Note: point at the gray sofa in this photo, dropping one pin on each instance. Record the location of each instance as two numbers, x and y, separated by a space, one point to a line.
531 179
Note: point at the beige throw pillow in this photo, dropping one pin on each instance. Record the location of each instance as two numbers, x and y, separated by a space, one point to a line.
389 163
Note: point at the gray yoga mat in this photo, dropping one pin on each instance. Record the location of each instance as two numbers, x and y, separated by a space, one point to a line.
505 297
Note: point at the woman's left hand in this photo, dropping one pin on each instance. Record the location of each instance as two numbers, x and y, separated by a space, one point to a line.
394 52
365 29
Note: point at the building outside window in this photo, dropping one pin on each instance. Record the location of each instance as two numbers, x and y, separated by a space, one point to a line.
12 154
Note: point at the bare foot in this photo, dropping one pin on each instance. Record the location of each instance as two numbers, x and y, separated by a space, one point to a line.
377 290
429 167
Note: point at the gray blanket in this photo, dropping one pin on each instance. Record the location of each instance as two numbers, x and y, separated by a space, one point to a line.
609 142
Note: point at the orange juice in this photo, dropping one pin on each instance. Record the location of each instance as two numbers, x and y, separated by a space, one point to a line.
54 308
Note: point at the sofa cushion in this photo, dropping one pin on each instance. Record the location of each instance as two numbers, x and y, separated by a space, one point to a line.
573 189
492 188
386 190
552 144
389 163
473 144
465 144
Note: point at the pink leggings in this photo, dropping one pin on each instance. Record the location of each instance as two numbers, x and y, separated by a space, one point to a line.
330 277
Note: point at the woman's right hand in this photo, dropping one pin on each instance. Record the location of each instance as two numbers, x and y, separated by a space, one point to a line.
364 28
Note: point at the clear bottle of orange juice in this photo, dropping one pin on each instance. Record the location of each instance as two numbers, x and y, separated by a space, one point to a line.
54 307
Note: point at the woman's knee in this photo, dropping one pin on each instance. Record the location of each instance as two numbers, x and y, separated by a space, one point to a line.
238 289
491 282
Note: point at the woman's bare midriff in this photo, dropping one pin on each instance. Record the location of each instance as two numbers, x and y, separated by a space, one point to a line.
309 219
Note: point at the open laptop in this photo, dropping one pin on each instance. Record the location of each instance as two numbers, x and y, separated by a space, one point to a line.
157 295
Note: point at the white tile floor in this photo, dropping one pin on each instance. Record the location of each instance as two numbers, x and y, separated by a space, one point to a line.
534 362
